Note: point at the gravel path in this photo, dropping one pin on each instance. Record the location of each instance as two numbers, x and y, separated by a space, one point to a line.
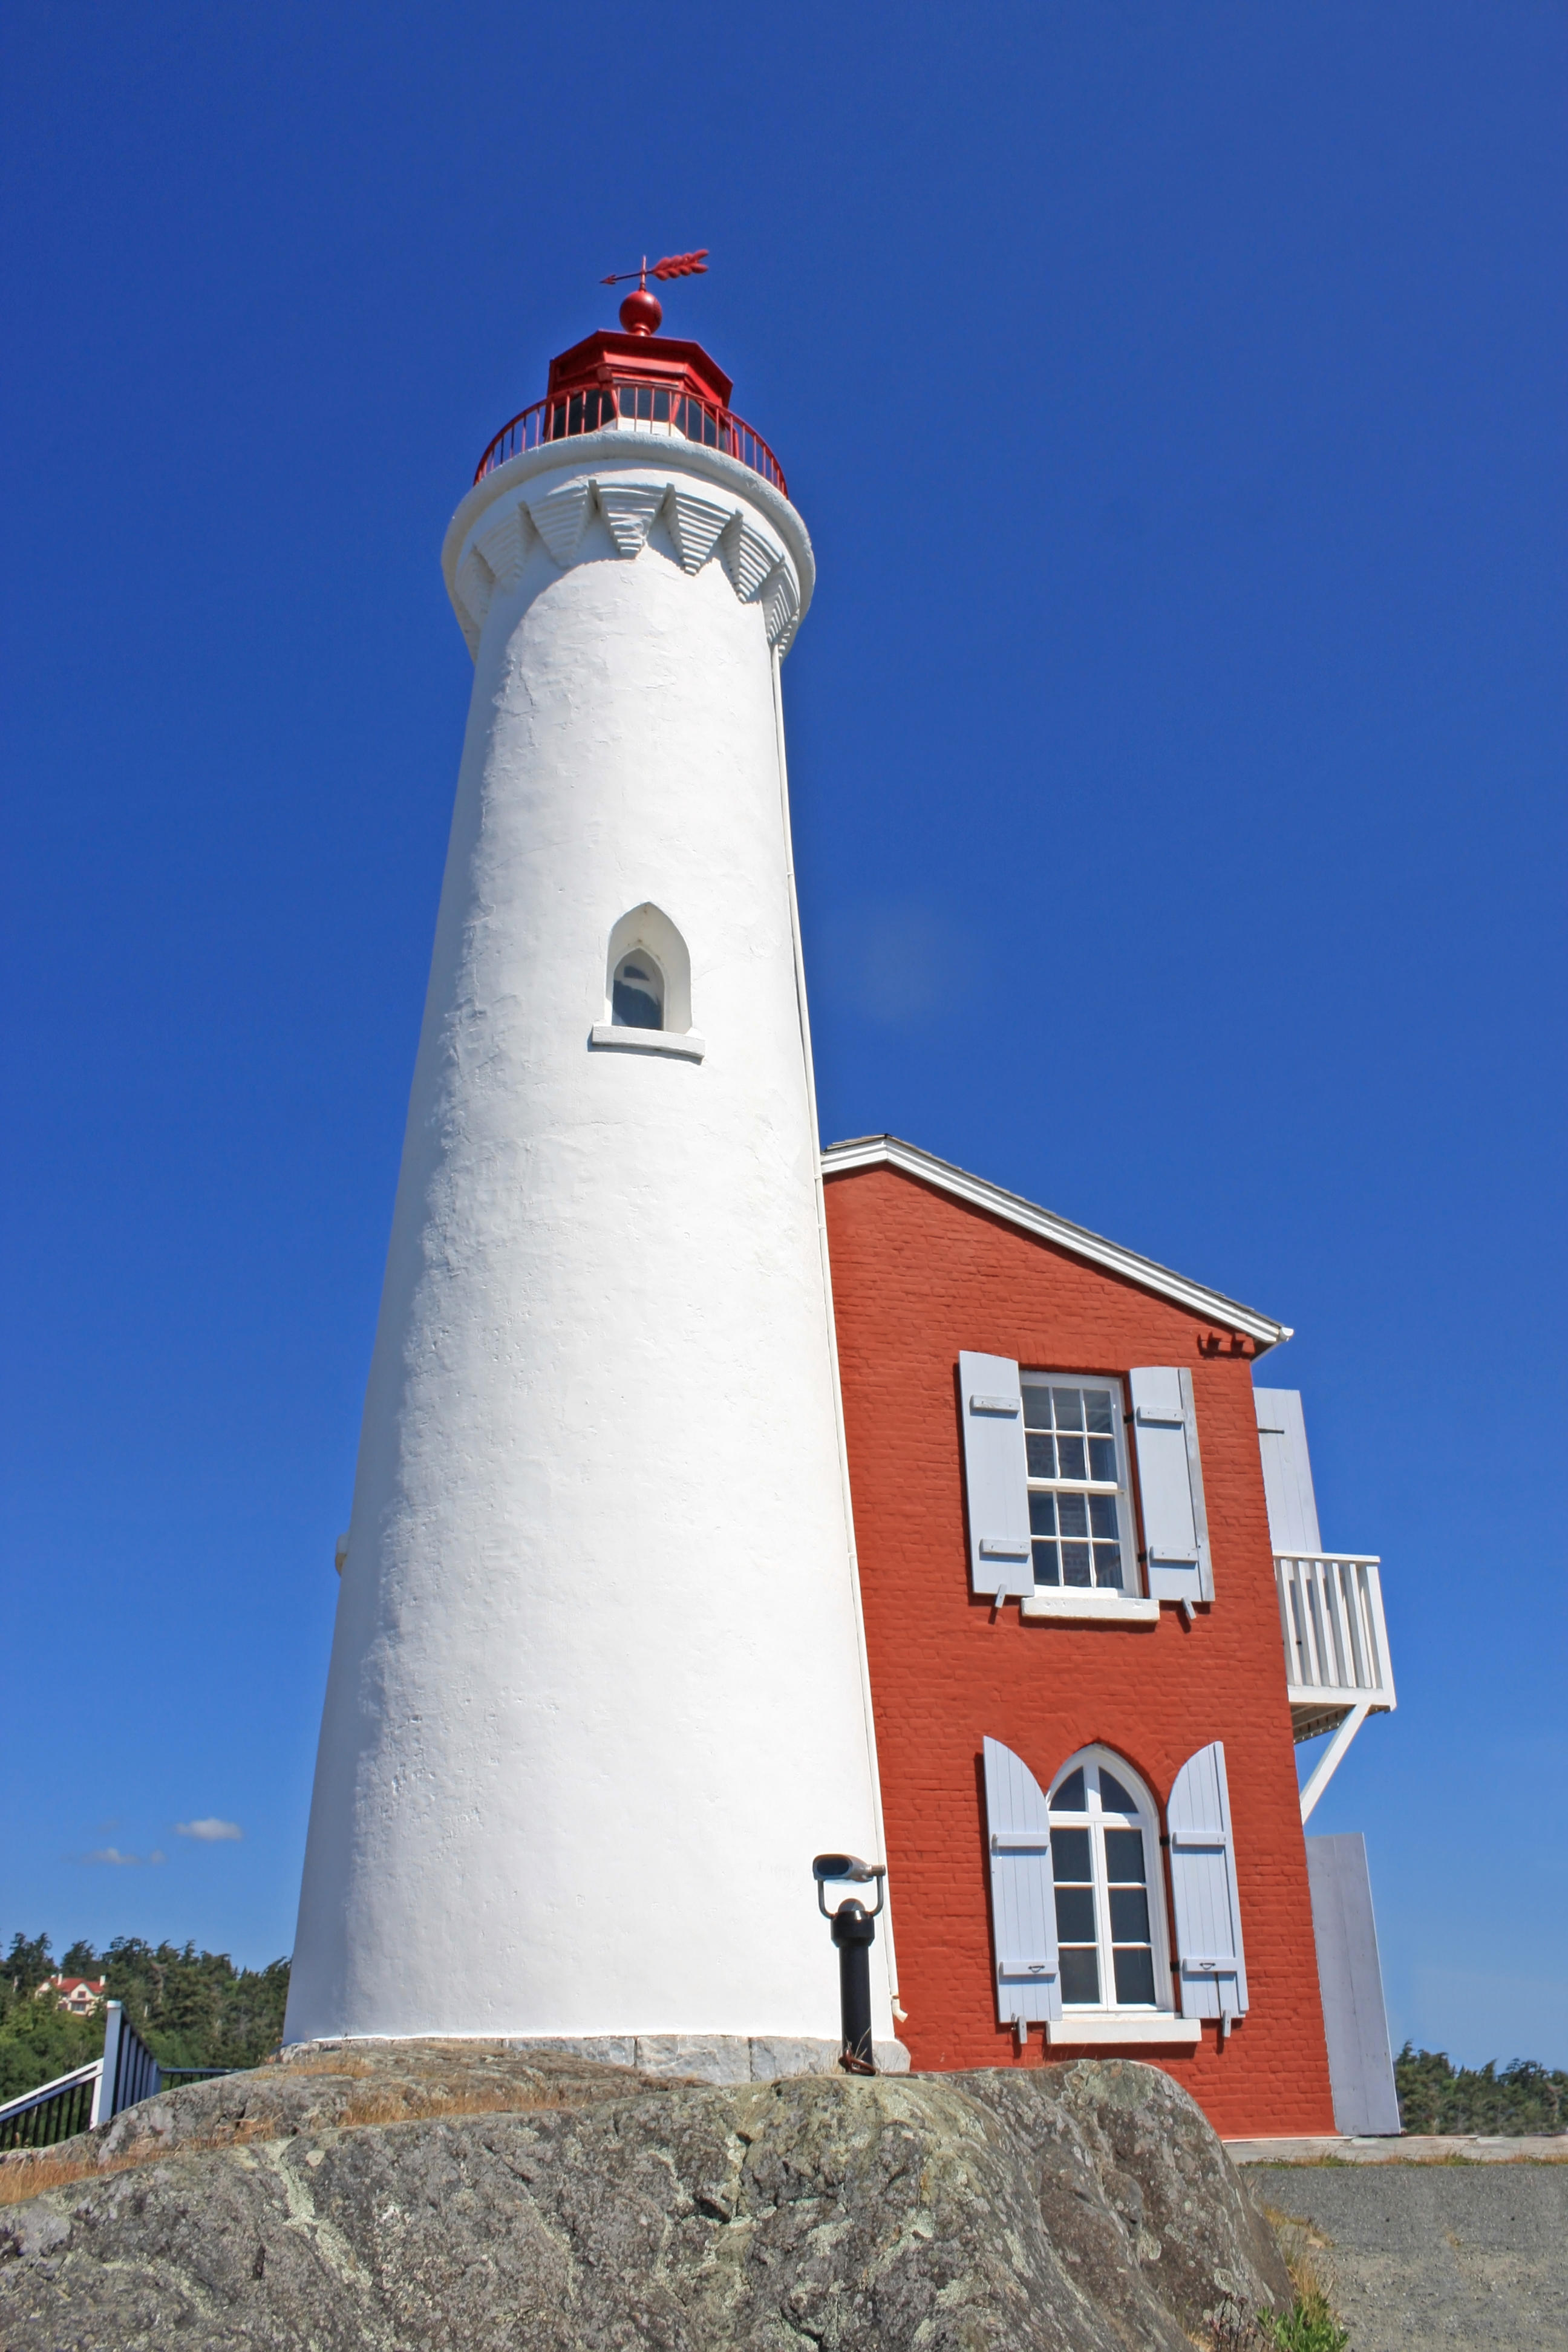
1450 2255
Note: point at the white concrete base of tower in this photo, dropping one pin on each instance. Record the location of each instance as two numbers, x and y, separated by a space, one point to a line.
702 2057
597 1689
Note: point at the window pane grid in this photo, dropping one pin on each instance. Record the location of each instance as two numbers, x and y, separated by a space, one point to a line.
1100 1860
1075 1494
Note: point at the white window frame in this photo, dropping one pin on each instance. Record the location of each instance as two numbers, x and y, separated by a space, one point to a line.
1089 1600
648 929
1147 1819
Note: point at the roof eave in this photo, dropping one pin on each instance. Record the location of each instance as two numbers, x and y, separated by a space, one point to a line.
889 1151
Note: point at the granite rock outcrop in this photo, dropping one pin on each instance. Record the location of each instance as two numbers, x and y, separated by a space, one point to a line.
432 2196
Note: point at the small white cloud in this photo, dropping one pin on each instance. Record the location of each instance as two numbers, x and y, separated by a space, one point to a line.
209 1832
112 1853
156 1856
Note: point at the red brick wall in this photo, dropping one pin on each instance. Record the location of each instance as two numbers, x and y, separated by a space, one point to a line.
917 1276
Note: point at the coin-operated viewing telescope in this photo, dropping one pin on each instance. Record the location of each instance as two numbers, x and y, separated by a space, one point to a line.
854 1932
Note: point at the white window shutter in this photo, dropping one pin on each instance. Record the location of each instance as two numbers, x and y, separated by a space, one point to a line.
1287 1474
1022 1893
1170 1484
1203 1888
995 1476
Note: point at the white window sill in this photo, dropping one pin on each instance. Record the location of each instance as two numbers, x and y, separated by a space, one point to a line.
1090 2032
1078 1600
687 1043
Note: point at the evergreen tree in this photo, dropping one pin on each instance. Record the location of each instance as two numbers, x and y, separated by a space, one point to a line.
39 2040
25 1966
1435 2096
191 2008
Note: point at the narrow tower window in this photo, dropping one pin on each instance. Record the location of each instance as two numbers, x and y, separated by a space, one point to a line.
648 989
636 992
647 976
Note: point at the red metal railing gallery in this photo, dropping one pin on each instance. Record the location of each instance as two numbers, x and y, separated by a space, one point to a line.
642 407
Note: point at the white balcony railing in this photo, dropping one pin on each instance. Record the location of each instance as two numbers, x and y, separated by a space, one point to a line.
1336 1643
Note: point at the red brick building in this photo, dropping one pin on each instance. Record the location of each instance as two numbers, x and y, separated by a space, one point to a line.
1075 1613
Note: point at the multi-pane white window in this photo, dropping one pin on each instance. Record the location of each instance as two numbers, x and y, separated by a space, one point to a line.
1105 1861
1080 1519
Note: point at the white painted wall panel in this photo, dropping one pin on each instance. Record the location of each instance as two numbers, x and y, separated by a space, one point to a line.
1203 1891
1287 1472
1169 1484
995 1474
1022 1893
1355 2020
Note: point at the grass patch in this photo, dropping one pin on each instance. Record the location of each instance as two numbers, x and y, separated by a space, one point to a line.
1307 2327
48 2169
26 2173
1310 2325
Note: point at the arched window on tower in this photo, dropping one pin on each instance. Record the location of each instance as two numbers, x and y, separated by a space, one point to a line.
636 992
1109 1898
648 989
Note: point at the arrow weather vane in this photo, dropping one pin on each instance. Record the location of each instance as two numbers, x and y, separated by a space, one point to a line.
674 265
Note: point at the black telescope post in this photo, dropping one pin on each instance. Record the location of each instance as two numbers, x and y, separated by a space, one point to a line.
854 1932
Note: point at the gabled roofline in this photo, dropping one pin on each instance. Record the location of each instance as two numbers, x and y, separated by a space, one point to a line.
889 1151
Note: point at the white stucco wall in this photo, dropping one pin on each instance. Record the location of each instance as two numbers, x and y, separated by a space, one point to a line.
597 1693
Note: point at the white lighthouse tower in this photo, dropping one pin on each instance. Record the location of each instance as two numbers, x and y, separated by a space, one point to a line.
597 1691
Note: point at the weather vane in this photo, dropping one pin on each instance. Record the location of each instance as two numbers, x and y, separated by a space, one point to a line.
674 265
642 311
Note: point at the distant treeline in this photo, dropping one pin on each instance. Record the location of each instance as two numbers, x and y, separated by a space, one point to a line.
191 2008
1435 2096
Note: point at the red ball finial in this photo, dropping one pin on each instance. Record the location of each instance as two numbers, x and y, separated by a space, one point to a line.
641 312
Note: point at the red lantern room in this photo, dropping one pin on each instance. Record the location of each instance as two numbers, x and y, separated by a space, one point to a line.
640 380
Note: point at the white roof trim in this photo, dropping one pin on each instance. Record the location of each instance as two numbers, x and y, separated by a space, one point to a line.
887 1151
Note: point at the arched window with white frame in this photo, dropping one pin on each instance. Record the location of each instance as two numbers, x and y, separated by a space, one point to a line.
648 989
648 975
1111 1931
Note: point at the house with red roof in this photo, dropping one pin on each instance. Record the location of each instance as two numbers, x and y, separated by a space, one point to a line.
81 1995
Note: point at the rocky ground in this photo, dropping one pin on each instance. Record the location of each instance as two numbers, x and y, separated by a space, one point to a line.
492 2200
1469 2255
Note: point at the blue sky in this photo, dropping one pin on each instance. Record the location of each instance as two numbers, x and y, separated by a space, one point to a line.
1174 395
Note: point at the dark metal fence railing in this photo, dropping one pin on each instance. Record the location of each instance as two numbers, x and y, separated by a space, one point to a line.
638 408
89 2094
58 2111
